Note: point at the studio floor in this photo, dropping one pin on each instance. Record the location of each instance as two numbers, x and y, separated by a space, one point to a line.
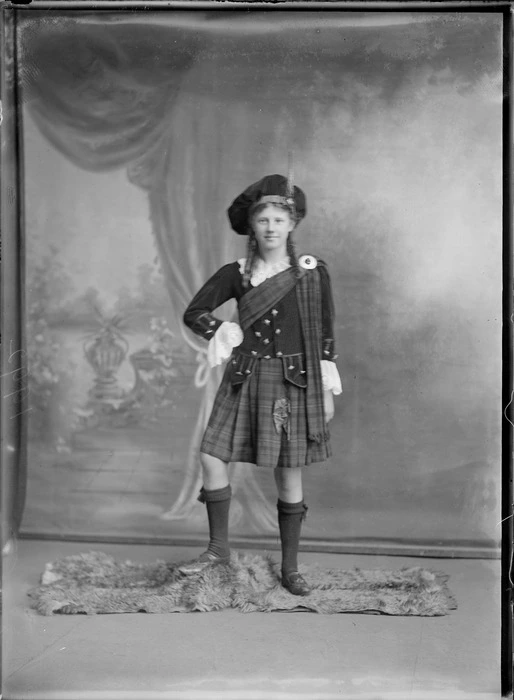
229 654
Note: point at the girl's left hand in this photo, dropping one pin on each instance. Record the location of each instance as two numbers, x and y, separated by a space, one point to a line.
328 400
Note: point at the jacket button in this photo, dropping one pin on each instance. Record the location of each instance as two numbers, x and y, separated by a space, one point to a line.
267 357
254 353
274 312
212 323
279 353
258 334
267 321
278 331
327 352
291 367
265 341
302 371
248 371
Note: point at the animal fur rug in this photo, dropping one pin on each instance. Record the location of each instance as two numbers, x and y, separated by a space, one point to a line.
94 583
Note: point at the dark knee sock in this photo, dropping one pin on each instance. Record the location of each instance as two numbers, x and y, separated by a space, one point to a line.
290 517
218 506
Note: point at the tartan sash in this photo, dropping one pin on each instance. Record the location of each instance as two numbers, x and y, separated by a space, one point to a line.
308 294
260 299
256 302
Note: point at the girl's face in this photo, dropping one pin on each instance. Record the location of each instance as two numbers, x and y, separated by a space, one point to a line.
272 226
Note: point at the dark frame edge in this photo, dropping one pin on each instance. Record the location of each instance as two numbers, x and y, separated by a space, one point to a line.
429 6
13 378
507 391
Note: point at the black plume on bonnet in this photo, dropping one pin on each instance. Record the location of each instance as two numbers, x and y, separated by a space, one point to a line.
269 187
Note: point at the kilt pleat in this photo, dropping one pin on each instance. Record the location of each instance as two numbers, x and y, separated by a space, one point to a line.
241 426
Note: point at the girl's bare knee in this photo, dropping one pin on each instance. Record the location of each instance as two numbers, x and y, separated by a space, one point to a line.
289 484
214 471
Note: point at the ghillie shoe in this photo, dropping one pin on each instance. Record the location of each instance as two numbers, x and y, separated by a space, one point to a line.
295 583
205 560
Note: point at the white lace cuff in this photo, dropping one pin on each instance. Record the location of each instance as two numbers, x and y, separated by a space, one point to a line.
330 377
228 336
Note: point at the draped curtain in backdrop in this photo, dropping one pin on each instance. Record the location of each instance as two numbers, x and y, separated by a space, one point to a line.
106 100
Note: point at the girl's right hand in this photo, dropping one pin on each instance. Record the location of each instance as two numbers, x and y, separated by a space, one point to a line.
328 401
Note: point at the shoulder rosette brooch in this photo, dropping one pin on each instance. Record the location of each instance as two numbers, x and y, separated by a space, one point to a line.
308 262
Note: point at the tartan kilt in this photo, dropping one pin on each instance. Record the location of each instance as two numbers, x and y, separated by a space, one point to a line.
241 426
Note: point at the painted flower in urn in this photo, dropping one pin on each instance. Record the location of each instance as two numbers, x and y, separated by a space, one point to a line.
105 349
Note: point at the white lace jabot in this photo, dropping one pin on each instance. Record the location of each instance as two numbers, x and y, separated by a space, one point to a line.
262 270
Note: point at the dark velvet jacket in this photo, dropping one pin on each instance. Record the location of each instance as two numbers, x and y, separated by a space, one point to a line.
278 333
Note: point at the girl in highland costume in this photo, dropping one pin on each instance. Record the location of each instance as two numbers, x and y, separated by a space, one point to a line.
276 397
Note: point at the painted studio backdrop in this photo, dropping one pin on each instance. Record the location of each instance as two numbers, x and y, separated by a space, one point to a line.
138 131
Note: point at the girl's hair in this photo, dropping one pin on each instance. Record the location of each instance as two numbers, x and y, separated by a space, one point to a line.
251 254
253 251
